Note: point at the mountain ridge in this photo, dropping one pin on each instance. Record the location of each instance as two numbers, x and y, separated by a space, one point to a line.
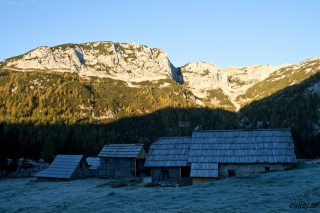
133 62
43 111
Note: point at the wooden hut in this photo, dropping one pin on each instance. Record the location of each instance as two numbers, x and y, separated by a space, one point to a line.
65 168
221 154
94 166
122 160
168 161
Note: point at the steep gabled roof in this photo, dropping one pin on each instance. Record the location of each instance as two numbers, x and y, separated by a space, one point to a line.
169 152
121 150
63 167
93 162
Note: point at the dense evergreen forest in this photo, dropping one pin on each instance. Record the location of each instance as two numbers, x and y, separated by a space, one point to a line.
296 107
45 113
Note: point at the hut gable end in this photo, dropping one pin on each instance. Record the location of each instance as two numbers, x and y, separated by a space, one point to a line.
65 167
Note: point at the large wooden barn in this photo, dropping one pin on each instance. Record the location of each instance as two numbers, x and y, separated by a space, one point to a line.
65 168
211 155
122 160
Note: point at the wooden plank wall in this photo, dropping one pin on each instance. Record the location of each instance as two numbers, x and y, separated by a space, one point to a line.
157 178
80 173
117 167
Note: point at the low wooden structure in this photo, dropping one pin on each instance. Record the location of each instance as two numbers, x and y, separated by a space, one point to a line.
122 160
211 155
94 166
168 161
65 168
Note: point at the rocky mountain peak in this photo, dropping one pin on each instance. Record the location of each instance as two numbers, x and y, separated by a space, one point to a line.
128 62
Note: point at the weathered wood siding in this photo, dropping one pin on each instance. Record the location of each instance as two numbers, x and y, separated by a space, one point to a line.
142 154
243 169
174 175
80 173
94 172
117 167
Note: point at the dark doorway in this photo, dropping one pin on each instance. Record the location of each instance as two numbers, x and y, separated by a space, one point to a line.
231 172
185 171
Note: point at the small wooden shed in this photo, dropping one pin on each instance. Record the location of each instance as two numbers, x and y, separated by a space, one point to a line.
217 154
168 161
122 160
94 166
65 168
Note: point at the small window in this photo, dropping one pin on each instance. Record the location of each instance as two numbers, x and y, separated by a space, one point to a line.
106 160
231 172
267 169
165 173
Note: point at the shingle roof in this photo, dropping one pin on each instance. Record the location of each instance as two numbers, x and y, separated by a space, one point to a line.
208 148
257 146
121 150
169 152
241 133
204 170
63 166
93 162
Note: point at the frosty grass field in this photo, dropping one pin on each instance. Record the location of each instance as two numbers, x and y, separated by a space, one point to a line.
266 192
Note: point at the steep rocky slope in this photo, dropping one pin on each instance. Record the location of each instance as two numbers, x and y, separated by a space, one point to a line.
229 88
127 62
242 85
280 79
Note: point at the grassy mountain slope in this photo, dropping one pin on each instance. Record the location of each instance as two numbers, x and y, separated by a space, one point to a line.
46 113
279 80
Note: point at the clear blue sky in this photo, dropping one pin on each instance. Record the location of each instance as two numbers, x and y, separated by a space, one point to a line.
225 32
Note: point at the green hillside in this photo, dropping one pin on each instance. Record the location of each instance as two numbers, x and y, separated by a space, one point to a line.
46 113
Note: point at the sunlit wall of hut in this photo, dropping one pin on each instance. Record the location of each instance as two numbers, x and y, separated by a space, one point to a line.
94 166
122 160
65 168
221 154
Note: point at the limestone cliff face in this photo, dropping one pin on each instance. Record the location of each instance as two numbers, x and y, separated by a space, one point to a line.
202 77
133 62
234 82
128 62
